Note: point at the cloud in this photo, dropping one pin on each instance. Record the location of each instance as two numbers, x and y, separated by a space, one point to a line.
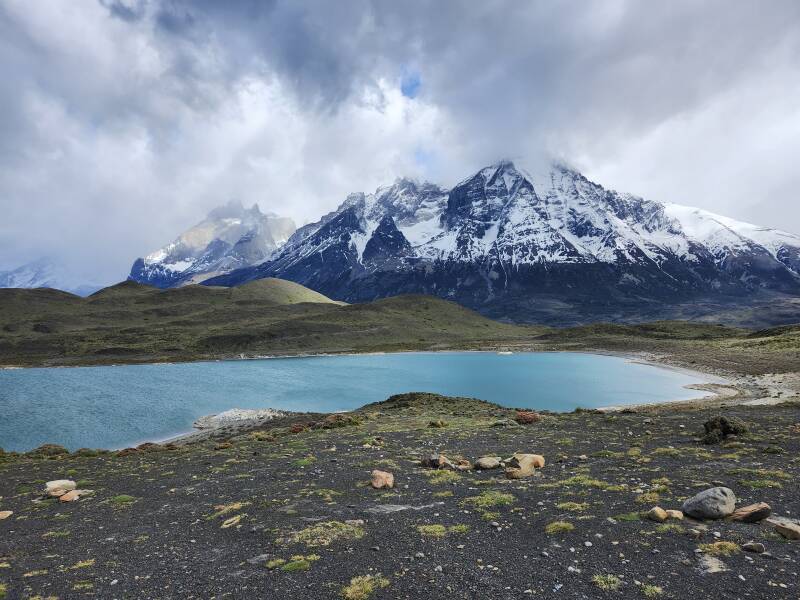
123 122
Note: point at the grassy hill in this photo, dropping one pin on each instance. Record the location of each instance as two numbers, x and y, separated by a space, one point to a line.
131 322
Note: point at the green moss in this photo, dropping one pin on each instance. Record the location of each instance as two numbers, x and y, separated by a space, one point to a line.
760 483
720 548
123 499
325 533
441 477
490 499
573 506
435 531
557 527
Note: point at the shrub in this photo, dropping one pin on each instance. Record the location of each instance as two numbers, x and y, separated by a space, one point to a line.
527 417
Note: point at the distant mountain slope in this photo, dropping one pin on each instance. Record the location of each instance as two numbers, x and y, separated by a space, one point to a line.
230 237
45 273
534 244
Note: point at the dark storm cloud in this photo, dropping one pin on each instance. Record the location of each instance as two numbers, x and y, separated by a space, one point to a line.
133 117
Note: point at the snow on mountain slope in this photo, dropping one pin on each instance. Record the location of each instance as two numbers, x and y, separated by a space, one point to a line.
230 237
46 273
506 236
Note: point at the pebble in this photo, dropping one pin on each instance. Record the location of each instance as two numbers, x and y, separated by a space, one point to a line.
438 568
419 555
756 547
587 544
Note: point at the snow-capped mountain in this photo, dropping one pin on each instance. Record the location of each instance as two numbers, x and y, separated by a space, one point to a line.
520 243
46 273
230 237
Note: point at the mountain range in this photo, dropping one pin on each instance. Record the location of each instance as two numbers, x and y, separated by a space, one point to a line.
229 238
542 244
46 272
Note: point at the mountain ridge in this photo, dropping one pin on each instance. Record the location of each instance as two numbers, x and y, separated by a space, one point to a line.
511 242
230 237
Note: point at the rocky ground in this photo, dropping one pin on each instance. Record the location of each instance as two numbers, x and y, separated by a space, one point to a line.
286 510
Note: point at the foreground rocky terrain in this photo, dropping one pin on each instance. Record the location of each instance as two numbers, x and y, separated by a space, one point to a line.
287 509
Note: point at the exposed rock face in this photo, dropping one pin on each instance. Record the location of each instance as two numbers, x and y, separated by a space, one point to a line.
713 503
788 529
230 237
540 244
4 514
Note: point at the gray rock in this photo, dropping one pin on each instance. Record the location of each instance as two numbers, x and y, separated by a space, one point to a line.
713 503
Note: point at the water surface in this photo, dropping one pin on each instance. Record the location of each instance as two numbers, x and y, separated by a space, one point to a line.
117 406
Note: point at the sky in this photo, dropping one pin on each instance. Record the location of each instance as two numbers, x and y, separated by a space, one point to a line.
123 122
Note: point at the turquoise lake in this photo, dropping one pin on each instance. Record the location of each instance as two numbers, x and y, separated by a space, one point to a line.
118 406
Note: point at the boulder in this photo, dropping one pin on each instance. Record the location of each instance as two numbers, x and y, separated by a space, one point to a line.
675 514
523 465
59 487
713 503
752 513
487 462
657 514
382 479
69 496
4 514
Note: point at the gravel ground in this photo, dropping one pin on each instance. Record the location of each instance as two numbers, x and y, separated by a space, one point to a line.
286 510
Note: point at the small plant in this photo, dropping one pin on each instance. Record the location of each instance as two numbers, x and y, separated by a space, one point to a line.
325 533
275 562
224 509
573 506
490 499
631 516
83 564
720 548
299 563
648 498
442 477
608 583
435 531
361 588
557 527
669 528
527 417
651 591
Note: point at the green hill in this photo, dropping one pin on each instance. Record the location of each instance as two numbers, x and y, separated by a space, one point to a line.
131 322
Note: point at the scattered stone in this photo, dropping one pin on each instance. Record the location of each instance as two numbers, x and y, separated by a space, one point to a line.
487 462
438 424
788 529
657 514
386 509
756 547
73 495
752 513
419 555
505 423
438 461
382 479
711 564
59 487
713 503
675 514
4 514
